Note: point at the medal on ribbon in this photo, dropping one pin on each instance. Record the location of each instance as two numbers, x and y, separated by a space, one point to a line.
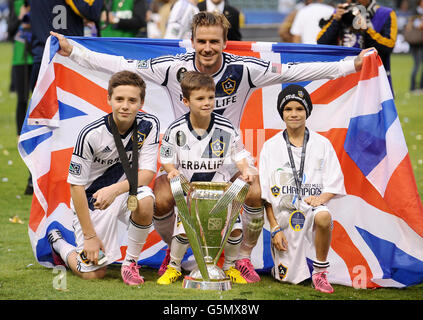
131 172
298 178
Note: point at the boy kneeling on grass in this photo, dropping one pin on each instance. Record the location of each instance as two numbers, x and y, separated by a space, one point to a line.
203 146
113 162
299 174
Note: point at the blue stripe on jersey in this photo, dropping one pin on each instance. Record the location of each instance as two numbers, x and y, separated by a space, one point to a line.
79 146
180 121
223 119
202 176
228 84
109 177
145 117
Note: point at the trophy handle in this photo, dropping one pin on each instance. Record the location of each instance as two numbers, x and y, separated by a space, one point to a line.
235 195
178 193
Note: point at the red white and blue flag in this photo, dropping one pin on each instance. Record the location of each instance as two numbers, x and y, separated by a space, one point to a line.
378 226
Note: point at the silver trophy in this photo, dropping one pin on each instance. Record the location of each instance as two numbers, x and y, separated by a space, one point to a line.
208 211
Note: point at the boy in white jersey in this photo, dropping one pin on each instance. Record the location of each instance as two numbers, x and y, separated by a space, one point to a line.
202 146
236 78
113 162
299 174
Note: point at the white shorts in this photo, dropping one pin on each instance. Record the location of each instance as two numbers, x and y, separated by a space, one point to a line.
108 224
291 265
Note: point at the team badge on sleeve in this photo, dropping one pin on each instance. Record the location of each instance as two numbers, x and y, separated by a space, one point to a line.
75 168
166 151
142 64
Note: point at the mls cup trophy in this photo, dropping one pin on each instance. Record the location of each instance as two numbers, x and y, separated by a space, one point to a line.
208 214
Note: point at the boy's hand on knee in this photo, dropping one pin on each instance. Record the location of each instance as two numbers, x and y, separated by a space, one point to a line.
105 197
313 201
172 174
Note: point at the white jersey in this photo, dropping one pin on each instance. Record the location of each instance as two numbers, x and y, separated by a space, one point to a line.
180 18
95 160
210 157
322 174
237 78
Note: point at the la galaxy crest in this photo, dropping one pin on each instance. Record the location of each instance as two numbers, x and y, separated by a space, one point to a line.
282 270
275 190
217 147
140 137
229 86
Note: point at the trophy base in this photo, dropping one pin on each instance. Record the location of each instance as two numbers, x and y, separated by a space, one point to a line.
218 280
219 285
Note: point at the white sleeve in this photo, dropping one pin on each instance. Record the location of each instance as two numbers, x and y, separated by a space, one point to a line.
148 153
262 73
168 153
297 72
81 160
333 178
111 64
107 63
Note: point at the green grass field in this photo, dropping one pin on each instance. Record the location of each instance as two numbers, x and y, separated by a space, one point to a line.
22 278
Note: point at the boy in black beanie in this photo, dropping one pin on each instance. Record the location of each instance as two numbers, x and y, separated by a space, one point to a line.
299 174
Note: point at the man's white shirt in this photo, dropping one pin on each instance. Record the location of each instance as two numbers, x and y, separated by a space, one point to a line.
235 81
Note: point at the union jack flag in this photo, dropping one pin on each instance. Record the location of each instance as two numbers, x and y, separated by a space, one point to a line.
377 238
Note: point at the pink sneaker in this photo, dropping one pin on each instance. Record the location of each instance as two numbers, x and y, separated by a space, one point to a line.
130 274
321 283
247 270
165 263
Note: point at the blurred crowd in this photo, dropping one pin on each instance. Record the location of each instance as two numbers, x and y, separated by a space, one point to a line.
388 25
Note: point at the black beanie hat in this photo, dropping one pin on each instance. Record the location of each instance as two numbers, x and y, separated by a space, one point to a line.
297 93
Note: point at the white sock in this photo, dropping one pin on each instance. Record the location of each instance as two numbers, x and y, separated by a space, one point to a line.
231 251
137 234
164 226
61 246
177 251
320 266
252 224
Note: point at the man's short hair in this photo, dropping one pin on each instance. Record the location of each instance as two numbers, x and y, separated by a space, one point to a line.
126 78
207 19
194 80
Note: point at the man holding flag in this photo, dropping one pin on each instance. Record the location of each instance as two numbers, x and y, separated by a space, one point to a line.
236 78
